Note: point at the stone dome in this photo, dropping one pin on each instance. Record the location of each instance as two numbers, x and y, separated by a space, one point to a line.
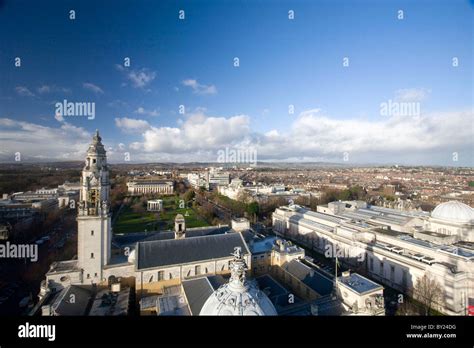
454 212
238 296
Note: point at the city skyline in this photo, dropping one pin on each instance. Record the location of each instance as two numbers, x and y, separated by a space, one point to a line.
342 108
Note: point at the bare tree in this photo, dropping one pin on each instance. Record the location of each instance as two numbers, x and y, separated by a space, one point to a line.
429 293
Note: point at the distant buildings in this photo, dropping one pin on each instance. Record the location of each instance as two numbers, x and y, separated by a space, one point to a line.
257 192
208 179
197 180
142 187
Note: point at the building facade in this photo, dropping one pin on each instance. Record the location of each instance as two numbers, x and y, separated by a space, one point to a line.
142 187
391 257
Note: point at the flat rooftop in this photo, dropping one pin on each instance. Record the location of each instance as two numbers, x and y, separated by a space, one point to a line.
358 283
63 266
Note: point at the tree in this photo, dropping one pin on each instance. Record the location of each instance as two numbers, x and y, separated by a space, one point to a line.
429 293
189 195
253 209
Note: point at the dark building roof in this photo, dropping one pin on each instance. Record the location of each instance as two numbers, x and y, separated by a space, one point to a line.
160 253
271 288
197 292
82 294
310 276
133 238
328 306
217 280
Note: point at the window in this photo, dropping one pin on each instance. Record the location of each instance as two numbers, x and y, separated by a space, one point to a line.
392 273
94 160
170 276
161 275
197 270
88 275
92 255
381 269
92 232
223 267
95 274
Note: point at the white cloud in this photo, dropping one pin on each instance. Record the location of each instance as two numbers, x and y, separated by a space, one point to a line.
59 117
199 88
143 111
36 142
412 94
23 91
425 139
130 125
197 133
94 88
138 78
117 103
45 89
272 134
315 136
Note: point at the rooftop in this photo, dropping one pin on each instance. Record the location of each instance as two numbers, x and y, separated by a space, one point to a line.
160 253
63 266
310 276
133 238
358 283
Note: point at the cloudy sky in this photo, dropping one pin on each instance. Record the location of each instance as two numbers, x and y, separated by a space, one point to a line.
313 87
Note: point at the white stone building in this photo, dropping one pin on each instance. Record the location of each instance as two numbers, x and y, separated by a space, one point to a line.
141 187
155 205
391 257
454 219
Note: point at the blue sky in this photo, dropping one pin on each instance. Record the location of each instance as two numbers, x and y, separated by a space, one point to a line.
283 62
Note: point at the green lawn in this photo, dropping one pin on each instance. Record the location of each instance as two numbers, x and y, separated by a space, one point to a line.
129 221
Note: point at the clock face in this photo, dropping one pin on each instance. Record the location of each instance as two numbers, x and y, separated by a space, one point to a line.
93 180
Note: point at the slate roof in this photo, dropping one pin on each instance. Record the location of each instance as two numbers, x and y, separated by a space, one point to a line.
309 276
161 253
271 287
197 292
217 280
133 238
82 295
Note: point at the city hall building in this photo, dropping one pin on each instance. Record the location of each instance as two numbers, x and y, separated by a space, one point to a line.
149 259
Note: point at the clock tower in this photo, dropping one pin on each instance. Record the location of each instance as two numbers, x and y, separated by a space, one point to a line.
94 218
